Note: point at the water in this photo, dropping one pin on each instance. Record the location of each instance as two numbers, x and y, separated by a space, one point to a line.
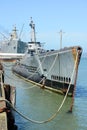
39 104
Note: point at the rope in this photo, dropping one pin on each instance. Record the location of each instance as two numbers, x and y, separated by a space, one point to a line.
1 82
55 114
52 64
39 66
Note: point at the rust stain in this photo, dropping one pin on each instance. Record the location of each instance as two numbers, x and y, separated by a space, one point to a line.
74 53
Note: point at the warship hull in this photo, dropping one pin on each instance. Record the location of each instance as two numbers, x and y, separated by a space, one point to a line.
55 69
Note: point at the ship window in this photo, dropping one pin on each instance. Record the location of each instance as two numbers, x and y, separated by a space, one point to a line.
14 47
69 79
66 79
57 78
60 78
8 43
31 53
44 69
30 45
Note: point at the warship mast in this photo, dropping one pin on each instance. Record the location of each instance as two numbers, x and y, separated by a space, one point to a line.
33 36
61 33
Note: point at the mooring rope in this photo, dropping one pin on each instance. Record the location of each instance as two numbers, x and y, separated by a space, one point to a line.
60 107
39 66
1 74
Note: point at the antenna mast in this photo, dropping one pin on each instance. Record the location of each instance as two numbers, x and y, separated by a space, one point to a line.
33 37
61 33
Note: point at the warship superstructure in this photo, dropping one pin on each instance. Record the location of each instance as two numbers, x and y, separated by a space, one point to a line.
52 69
13 44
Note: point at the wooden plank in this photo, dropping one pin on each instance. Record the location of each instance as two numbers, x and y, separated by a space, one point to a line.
3 121
3 115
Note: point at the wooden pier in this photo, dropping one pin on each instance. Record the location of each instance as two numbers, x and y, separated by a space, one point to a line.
7 93
3 114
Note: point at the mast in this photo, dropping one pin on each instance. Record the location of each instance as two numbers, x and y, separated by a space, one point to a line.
33 40
61 33
33 36
14 33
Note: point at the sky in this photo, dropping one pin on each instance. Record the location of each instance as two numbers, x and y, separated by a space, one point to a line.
49 16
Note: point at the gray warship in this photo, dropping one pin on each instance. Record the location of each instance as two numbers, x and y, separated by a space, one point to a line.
13 44
55 70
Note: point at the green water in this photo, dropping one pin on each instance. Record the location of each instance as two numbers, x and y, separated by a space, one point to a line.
40 105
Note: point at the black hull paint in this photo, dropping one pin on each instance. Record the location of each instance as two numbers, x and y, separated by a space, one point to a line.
59 87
